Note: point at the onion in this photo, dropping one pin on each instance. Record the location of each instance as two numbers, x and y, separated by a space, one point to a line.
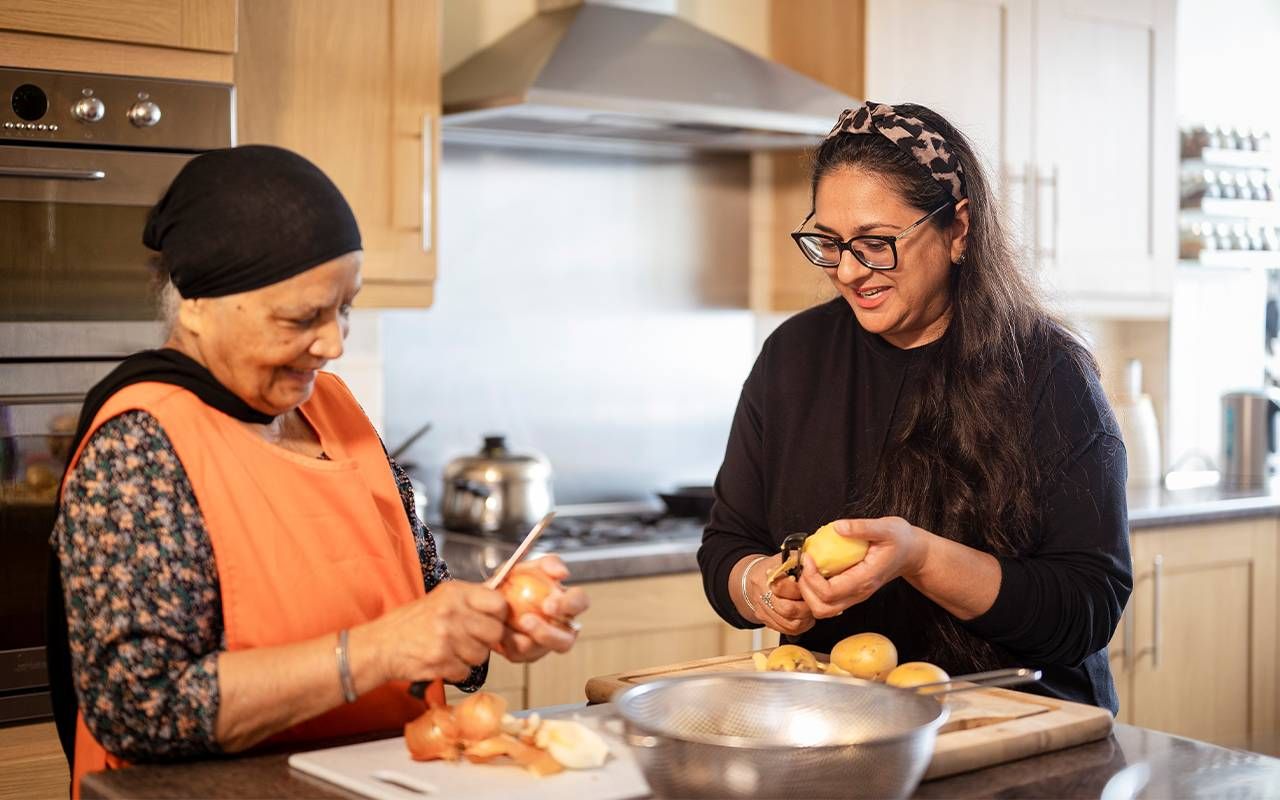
432 736
479 716
525 591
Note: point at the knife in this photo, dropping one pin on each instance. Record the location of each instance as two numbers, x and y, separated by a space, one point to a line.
419 688
496 579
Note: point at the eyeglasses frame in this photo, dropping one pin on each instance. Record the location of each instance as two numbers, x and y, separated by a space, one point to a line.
847 244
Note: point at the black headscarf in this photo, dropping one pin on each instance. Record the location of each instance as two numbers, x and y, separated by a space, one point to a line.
232 221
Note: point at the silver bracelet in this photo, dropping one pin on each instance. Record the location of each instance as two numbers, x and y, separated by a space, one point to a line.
745 598
344 668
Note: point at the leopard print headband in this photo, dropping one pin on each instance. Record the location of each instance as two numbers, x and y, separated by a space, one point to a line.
913 136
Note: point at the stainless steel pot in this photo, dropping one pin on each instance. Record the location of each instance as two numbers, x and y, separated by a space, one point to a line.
786 734
496 492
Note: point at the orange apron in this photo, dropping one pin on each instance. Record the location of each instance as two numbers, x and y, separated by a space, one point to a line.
304 547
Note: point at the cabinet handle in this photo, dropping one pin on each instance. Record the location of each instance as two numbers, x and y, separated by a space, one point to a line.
1051 181
428 159
1031 210
53 173
1157 572
1126 657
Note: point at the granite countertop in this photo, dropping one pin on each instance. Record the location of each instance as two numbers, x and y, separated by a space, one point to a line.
1151 764
473 558
1156 507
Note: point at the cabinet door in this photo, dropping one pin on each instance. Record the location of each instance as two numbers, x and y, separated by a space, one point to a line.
1120 654
355 87
632 624
1204 611
979 80
1105 139
185 24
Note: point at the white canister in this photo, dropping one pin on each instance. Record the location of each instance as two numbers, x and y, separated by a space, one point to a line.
1137 417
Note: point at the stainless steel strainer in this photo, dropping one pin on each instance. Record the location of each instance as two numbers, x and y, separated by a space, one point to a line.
779 734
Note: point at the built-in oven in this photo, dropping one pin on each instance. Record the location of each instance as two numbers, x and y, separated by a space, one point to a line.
82 159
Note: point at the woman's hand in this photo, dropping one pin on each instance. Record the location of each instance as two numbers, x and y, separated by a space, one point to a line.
534 636
896 549
779 606
441 635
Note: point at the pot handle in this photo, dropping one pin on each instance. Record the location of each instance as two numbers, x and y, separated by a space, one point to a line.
1015 676
471 487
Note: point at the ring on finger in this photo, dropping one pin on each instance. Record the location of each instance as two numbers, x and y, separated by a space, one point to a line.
767 599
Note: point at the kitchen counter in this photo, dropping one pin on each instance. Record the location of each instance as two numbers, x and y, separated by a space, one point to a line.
1177 767
472 558
1150 508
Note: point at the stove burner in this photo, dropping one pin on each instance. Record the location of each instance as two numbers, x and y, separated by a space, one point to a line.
573 533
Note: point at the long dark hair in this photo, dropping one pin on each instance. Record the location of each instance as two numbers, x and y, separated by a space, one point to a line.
959 461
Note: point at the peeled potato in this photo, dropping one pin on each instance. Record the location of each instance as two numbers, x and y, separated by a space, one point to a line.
832 552
791 658
869 656
916 673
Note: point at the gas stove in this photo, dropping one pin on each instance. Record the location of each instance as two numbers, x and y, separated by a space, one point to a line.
581 534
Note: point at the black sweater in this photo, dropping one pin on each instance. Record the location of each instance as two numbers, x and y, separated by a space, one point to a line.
816 410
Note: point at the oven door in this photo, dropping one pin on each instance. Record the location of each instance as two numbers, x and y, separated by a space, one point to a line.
71 222
36 426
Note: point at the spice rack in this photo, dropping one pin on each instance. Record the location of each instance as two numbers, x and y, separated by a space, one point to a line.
1230 206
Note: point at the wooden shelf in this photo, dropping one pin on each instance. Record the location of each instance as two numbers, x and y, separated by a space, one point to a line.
1235 259
1238 159
1219 208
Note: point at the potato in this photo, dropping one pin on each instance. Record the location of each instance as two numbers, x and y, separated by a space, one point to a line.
869 656
832 552
791 658
916 673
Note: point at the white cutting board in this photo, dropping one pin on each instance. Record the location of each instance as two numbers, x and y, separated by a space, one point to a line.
384 770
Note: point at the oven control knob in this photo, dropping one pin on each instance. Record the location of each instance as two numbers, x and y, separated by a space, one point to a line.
144 114
89 109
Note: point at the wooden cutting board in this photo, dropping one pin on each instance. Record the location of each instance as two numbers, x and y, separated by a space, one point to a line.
986 726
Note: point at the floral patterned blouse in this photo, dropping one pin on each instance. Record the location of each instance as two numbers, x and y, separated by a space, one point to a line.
144 612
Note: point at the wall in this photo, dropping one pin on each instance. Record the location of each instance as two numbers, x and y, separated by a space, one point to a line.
1224 50
590 307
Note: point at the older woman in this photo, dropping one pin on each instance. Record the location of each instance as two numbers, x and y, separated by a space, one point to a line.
239 557
942 415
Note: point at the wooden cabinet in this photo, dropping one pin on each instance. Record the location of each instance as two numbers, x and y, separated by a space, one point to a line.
1104 147
184 24
822 39
31 762
1196 652
1071 105
632 623
355 87
181 39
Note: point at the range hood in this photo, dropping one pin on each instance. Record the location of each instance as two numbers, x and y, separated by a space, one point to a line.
605 78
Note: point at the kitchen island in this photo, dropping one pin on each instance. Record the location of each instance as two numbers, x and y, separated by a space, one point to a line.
1131 762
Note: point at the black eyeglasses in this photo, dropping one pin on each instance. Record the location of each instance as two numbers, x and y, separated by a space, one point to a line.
876 252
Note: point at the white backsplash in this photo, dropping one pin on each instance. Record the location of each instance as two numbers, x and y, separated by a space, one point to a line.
591 308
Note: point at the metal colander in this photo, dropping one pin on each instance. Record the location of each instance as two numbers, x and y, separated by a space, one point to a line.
779 734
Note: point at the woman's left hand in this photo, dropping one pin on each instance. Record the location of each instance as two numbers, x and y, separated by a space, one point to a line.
896 548
534 636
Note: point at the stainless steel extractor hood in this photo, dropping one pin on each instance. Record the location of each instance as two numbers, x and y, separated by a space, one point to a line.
604 78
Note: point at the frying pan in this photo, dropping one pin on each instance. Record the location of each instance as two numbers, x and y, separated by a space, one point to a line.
689 501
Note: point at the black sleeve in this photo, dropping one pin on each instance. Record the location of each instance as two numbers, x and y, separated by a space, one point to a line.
1062 602
739 521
